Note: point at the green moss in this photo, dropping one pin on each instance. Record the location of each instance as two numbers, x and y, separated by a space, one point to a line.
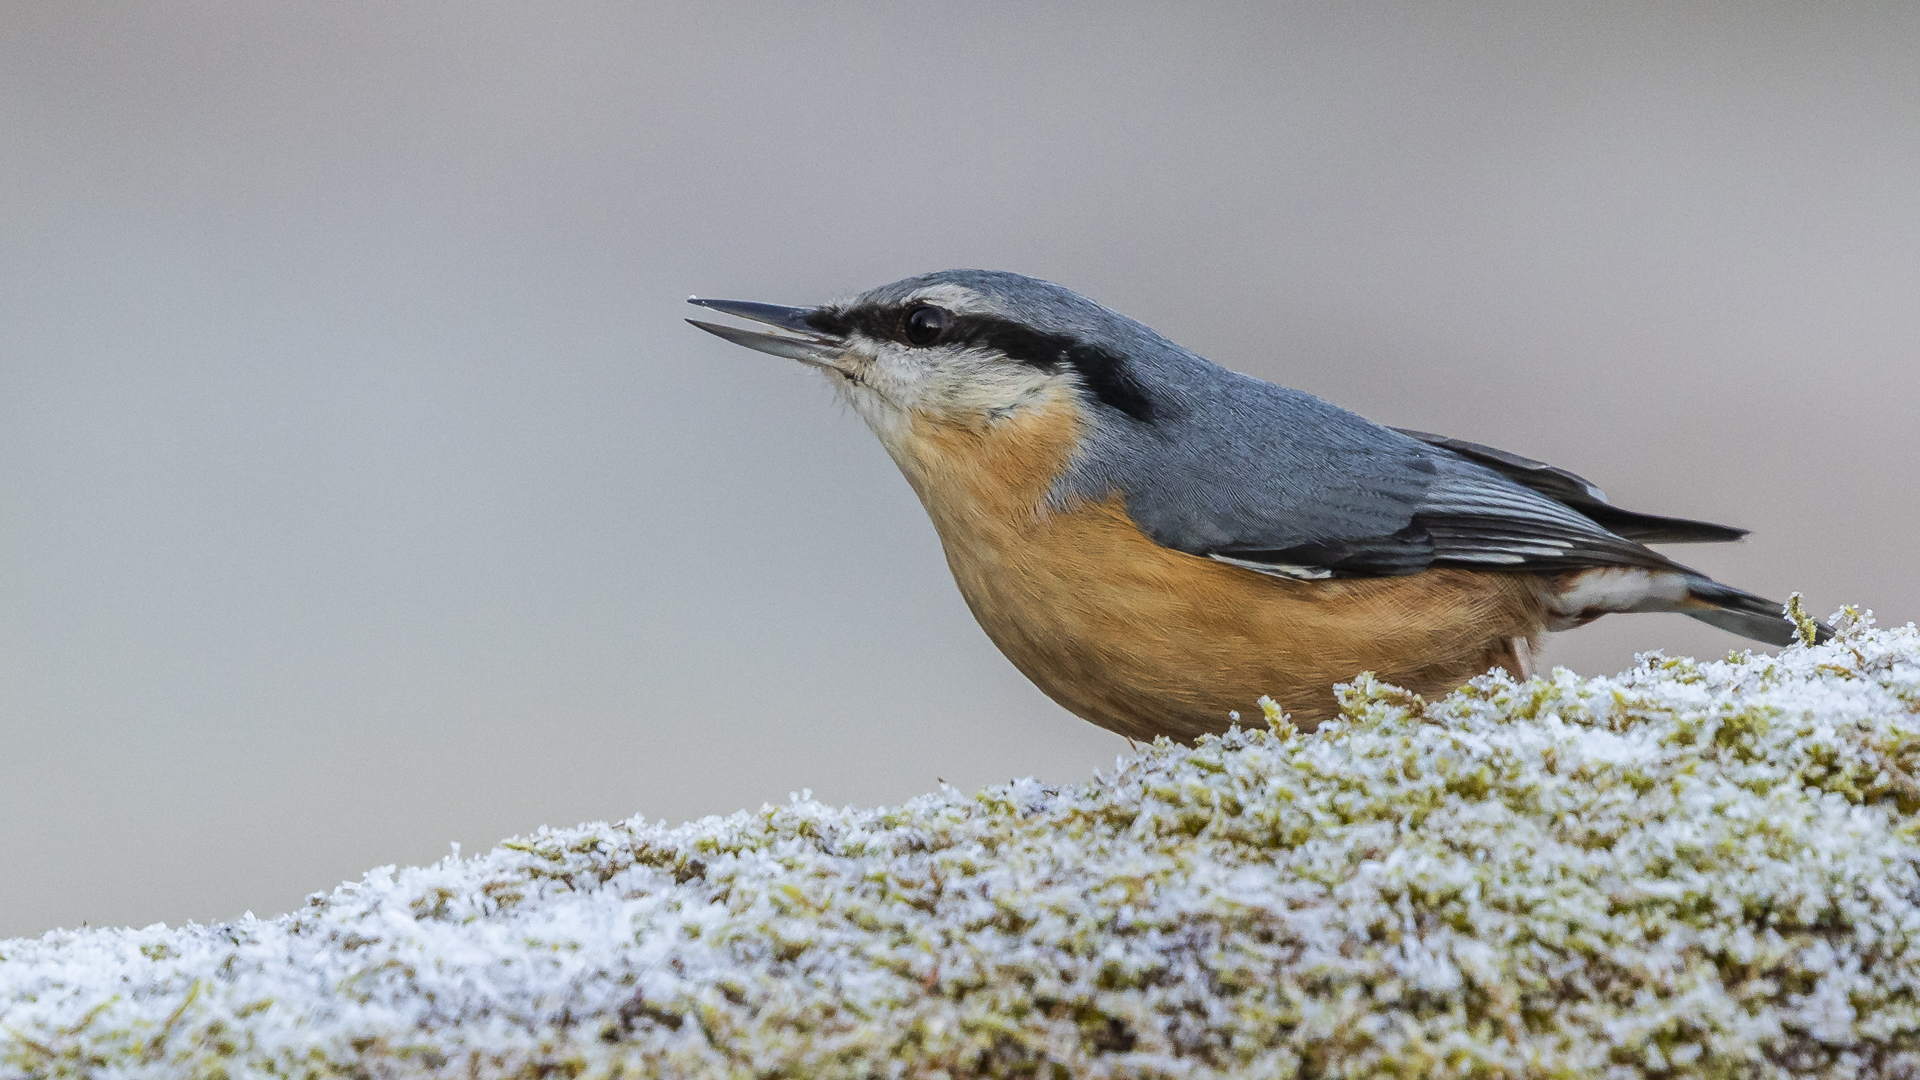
1694 869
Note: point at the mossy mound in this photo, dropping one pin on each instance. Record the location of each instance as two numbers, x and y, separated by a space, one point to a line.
1691 869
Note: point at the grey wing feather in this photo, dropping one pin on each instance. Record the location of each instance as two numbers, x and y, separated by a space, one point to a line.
1277 480
1578 492
1544 478
1461 519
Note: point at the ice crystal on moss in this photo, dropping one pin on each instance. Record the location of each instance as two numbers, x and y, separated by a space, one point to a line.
1690 869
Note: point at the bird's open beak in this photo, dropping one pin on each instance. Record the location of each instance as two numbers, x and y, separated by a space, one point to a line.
810 346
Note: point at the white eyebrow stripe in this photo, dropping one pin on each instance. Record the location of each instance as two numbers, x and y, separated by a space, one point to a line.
955 298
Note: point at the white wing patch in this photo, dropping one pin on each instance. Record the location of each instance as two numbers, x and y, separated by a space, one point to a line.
1279 570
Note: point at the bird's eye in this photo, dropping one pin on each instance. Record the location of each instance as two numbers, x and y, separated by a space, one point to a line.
925 324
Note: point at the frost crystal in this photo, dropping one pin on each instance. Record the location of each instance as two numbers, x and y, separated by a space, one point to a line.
1691 869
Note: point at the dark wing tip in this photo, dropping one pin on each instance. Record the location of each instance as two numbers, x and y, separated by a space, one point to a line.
1549 480
1581 494
1654 529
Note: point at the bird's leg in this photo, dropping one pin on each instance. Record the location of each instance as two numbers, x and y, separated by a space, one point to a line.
1516 656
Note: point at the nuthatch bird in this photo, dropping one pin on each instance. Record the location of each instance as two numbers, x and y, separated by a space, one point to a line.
1157 541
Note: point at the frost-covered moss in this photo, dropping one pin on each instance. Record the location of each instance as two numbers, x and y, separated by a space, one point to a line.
1692 869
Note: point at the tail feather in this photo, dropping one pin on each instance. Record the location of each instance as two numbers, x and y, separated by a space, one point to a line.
1582 597
1743 613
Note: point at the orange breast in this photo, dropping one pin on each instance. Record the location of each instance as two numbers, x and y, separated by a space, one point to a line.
1146 641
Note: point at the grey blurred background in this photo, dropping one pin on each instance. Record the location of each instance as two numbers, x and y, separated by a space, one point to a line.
362 491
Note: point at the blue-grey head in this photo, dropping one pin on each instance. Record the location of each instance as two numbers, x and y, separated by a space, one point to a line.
966 347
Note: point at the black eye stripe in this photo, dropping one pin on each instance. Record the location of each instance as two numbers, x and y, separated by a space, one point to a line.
1023 343
838 323
1110 377
1029 346
1105 373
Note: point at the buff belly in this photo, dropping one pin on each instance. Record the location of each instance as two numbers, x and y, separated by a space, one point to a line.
1146 641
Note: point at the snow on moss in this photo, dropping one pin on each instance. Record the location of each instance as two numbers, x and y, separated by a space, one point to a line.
1690 869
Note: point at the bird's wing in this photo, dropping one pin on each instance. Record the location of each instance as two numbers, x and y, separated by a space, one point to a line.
1580 494
1282 482
1462 517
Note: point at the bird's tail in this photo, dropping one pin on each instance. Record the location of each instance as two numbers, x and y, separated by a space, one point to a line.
1585 596
1742 612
